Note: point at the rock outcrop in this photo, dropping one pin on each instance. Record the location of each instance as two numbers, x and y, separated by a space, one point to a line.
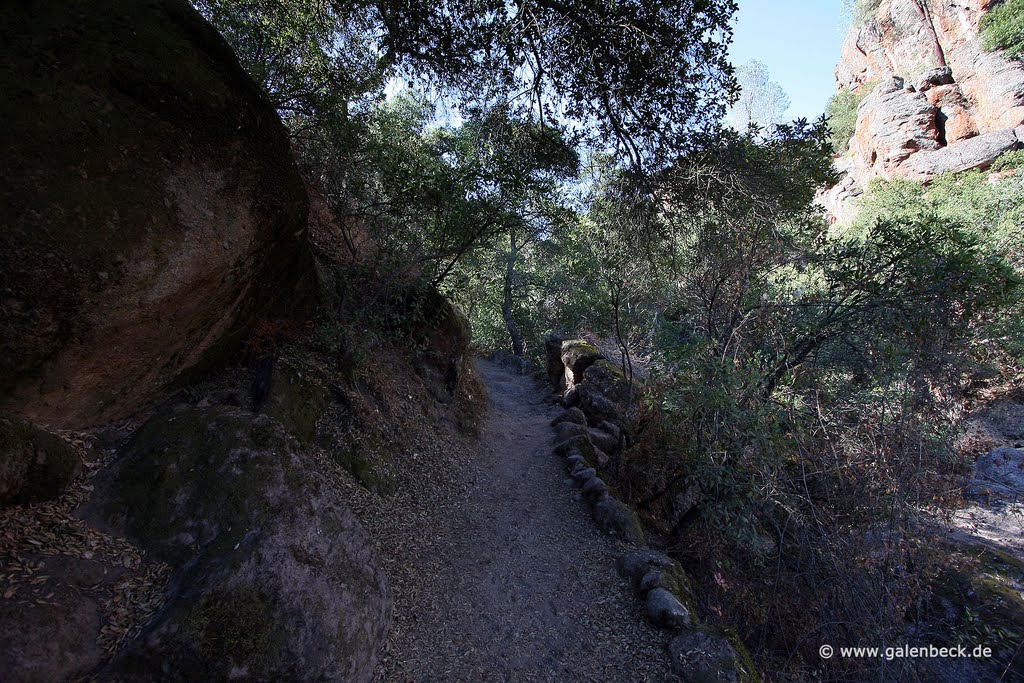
934 101
275 578
151 208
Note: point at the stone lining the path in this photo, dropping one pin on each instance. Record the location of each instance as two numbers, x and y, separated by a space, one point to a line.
592 391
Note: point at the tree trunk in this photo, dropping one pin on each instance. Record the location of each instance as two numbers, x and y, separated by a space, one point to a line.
506 306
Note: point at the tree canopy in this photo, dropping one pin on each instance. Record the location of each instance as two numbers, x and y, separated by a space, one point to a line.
637 75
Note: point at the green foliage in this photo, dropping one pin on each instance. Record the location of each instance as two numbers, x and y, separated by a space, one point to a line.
841 112
310 56
861 11
1008 161
633 71
992 213
1003 29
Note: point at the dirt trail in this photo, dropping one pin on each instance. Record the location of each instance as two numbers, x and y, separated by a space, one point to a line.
515 584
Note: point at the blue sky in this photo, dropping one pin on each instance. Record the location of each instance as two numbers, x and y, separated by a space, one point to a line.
799 41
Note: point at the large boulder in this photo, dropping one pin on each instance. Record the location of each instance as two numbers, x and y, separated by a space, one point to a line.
34 464
578 355
151 208
441 335
275 578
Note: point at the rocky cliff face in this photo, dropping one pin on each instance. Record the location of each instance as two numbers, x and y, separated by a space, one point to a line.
935 101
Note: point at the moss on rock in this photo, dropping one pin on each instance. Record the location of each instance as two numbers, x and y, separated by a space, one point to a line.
239 626
296 400
269 562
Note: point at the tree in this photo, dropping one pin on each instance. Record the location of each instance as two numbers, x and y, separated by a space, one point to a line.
761 103
637 75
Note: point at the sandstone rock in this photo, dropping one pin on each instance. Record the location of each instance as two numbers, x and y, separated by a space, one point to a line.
274 574
977 152
954 116
892 125
152 213
577 356
937 46
663 609
703 657
34 464
941 75
574 415
617 519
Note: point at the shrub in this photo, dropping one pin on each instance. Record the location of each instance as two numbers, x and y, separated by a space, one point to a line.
1009 161
1003 29
842 115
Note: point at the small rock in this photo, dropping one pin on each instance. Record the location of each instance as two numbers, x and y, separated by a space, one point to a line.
35 465
701 657
569 430
617 519
611 428
583 474
595 488
942 75
601 458
650 581
664 609
636 564
573 460
571 398
573 415
596 406
579 444
602 440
